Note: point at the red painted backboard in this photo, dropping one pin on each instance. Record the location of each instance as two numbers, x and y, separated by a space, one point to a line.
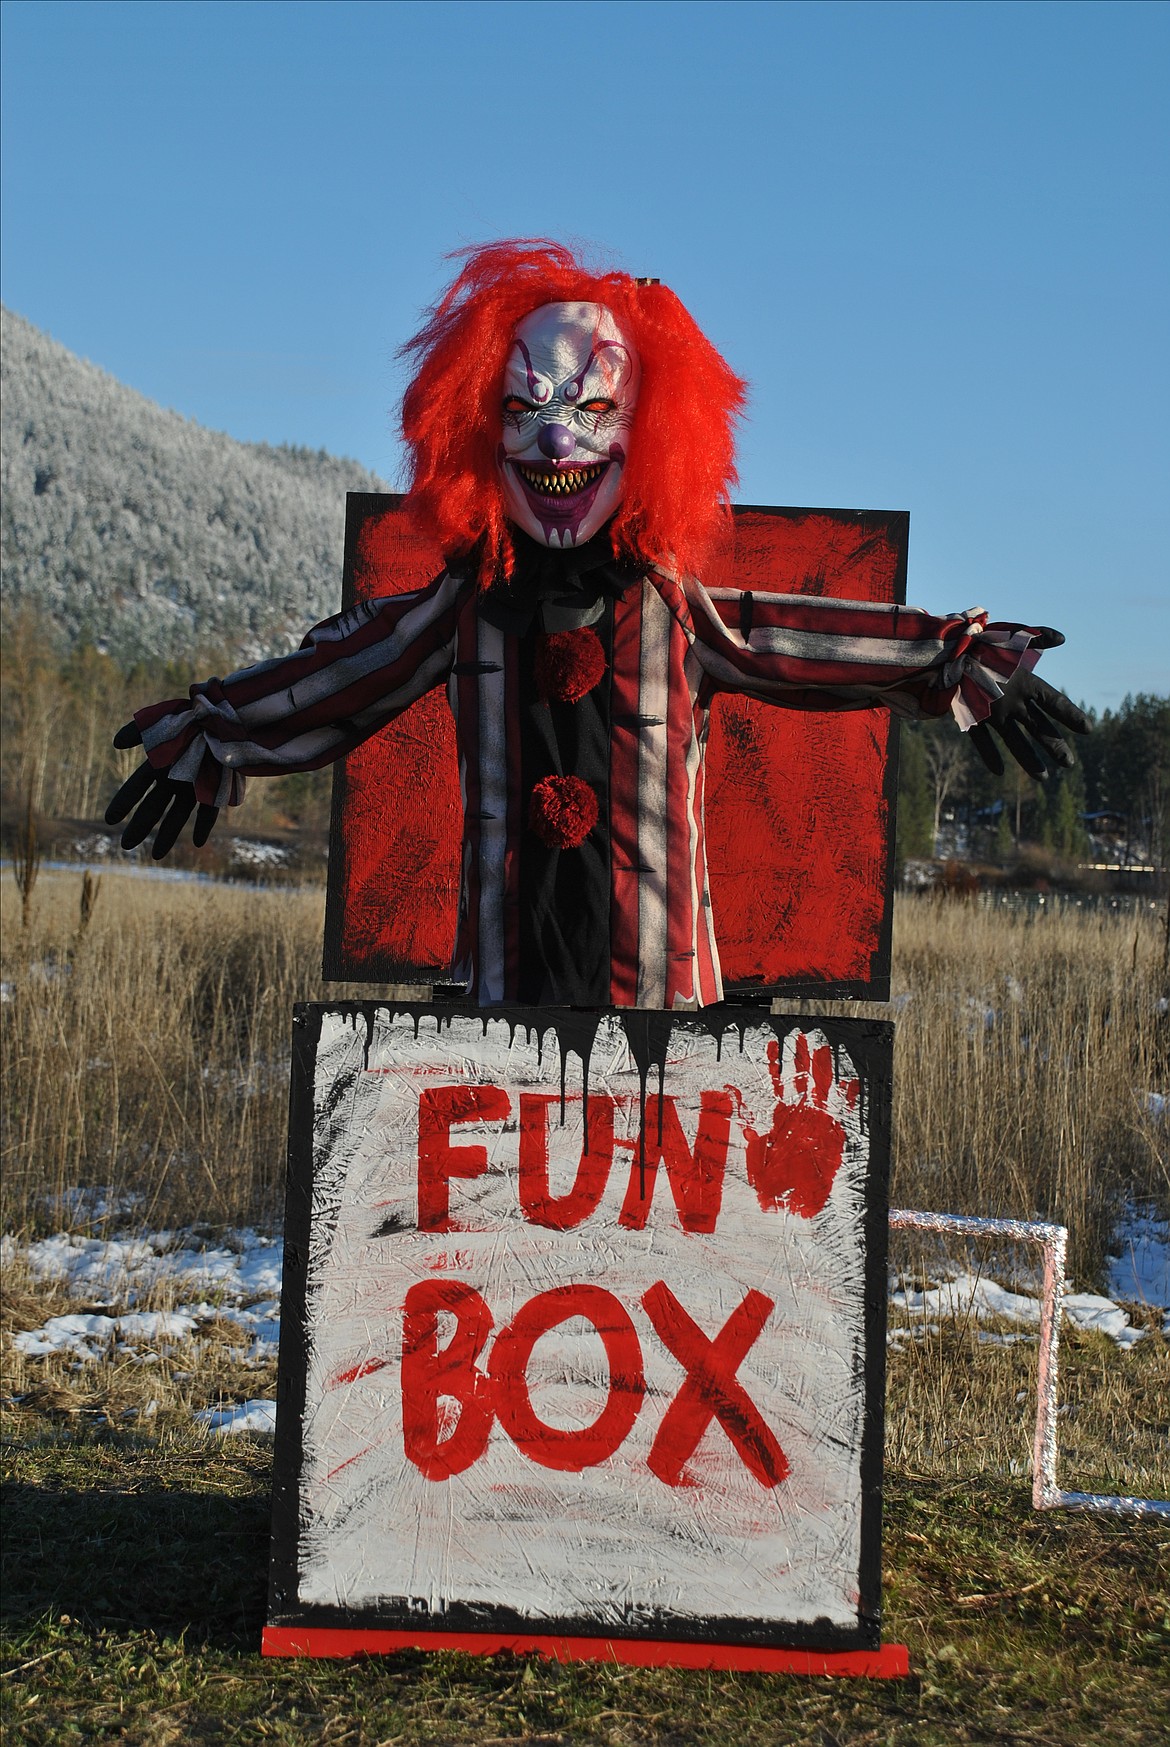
799 803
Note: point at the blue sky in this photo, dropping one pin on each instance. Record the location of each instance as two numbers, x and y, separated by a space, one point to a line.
934 236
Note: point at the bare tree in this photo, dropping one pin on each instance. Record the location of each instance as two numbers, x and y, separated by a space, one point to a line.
26 858
945 758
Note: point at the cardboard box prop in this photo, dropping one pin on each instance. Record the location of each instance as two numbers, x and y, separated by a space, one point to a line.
584 1335
799 804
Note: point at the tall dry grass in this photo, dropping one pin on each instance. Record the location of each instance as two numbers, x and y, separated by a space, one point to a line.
1028 1043
147 1052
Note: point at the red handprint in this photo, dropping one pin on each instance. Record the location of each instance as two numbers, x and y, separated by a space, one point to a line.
792 1167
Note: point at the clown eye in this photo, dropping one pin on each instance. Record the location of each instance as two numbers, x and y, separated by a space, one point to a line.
598 406
514 404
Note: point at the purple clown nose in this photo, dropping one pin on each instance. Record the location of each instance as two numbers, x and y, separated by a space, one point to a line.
555 441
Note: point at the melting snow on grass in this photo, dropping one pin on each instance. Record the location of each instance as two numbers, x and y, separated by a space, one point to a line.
1139 1261
971 1296
88 1336
242 1268
237 1279
247 1416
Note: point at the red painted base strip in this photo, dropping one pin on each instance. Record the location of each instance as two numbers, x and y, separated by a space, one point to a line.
890 1662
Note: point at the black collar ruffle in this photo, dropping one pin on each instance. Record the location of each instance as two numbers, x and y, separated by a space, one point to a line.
563 590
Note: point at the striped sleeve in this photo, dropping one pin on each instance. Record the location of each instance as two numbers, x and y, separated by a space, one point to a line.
810 653
352 674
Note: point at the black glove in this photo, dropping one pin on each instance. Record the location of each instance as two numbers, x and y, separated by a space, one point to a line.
151 796
1029 704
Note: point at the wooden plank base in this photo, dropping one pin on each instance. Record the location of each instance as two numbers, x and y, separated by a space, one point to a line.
889 1662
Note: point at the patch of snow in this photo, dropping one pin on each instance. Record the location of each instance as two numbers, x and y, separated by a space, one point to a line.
154 1325
90 848
981 1014
263 1323
264 1074
50 970
1088 1311
974 1296
247 1416
238 1279
249 1269
920 1332
1138 1266
249 853
97 1204
88 1336
968 1295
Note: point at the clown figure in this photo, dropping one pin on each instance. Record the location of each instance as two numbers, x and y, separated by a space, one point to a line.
571 443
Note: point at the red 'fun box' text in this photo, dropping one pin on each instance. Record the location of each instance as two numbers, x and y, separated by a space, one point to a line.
456 1390
436 1379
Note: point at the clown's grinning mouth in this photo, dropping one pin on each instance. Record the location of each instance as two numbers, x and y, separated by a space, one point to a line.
561 498
560 481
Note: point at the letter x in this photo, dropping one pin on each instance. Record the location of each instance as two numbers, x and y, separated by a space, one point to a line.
711 1390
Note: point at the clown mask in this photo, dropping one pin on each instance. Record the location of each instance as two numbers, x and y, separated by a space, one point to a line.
570 388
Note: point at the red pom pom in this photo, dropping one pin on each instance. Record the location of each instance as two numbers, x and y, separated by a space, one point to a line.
568 664
563 811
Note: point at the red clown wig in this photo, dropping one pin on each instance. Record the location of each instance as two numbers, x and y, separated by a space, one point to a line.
682 451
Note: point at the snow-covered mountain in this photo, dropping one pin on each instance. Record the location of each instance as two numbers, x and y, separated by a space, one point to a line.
142 531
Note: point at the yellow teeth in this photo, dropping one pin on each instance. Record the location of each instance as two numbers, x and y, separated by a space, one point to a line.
561 482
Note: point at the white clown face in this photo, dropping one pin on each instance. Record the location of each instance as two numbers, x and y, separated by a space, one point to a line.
570 388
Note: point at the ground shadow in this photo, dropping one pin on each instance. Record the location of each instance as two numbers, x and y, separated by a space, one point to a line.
155 1561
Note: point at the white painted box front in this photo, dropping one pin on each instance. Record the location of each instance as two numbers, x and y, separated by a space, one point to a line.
720 1241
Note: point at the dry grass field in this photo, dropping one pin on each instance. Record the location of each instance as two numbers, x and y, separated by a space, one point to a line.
1027 1047
147 1053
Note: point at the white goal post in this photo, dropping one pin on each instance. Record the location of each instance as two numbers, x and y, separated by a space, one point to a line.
1053 1240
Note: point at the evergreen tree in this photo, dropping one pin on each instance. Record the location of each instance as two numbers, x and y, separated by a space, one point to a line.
914 837
1066 833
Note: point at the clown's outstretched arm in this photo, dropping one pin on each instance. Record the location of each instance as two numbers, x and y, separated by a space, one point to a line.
805 652
352 674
